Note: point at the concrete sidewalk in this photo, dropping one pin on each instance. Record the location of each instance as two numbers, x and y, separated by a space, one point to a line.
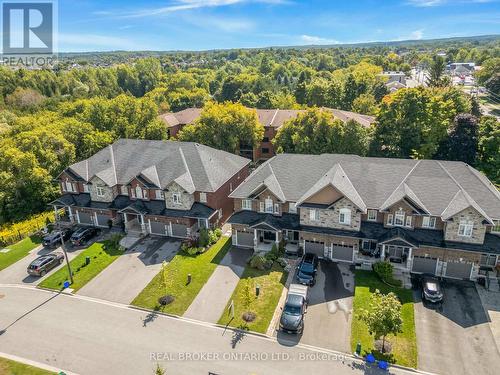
209 304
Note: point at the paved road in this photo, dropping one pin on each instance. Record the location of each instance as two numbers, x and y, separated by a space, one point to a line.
210 303
16 273
327 323
85 336
127 276
455 338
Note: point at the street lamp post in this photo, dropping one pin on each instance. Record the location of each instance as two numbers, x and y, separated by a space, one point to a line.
63 246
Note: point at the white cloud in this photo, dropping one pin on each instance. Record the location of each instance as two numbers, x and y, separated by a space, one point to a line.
312 39
433 3
417 34
220 23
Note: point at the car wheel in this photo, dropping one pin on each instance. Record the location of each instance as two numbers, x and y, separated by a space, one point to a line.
61 261
43 273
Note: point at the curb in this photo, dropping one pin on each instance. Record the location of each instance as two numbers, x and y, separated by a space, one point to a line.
40 365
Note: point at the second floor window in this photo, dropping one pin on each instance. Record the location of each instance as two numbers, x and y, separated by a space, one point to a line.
269 205
345 216
292 207
139 194
68 186
246 204
390 219
465 228
86 188
276 208
399 218
428 222
496 227
314 215
203 197
372 215
99 190
159 194
176 198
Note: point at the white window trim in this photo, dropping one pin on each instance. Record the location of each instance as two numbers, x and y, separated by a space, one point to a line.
390 219
99 191
408 221
346 214
246 204
138 190
176 198
203 197
292 207
86 188
269 206
68 186
314 214
497 224
374 218
124 190
159 194
262 207
400 214
428 222
465 228
276 208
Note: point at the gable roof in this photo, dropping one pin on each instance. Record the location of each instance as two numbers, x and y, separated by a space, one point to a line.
429 184
193 166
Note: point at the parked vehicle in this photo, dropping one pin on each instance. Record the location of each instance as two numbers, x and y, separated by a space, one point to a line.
292 317
431 289
43 264
83 234
54 239
307 268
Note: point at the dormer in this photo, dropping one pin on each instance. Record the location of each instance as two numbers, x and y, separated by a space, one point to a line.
100 191
177 197
268 196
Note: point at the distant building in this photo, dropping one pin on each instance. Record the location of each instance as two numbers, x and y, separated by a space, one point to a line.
394 77
461 69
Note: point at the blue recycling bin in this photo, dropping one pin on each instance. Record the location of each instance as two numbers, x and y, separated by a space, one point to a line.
370 358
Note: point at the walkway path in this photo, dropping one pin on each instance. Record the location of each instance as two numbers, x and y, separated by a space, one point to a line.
209 304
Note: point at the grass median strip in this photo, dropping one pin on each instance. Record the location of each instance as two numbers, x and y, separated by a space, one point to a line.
10 367
271 283
199 266
404 345
101 255
18 251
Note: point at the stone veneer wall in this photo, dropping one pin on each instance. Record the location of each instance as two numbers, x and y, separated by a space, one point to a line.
478 231
108 191
329 218
186 200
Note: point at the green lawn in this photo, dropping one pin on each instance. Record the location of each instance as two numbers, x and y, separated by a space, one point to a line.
8 367
271 284
18 251
404 345
101 254
200 267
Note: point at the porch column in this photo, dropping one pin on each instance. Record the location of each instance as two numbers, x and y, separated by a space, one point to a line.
277 237
124 218
410 258
382 253
255 238
56 213
143 226
70 213
170 230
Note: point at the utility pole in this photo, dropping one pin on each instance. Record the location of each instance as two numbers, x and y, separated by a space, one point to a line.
63 246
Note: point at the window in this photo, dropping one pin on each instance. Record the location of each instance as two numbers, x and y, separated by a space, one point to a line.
203 197
230 186
345 216
496 226
465 228
428 222
265 150
269 205
220 213
389 219
99 190
372 215
86 188
399 218
261 207
488 260
138 192
124 190
265 139
68 186
292 207
176 198
408 221
314 214
246 204
276 208
159 194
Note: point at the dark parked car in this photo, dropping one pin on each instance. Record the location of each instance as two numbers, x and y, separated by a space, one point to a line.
431 289
292 317
43 264
54 239
306 270
83 234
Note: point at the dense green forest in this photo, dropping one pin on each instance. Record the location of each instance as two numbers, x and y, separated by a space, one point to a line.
52 118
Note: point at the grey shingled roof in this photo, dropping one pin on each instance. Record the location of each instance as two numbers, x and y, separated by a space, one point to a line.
430 183
193 166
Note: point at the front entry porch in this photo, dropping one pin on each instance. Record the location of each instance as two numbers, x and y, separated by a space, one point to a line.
265 239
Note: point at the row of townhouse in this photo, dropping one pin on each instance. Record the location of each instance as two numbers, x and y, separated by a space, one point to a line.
157 187
425 216
271 120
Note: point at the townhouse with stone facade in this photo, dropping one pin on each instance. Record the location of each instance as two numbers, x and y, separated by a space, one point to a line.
159 187
424 216
271 120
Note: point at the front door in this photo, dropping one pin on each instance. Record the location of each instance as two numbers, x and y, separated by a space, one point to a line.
266 236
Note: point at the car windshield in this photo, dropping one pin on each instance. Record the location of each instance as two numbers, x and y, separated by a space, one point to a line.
432 286
292 310
307 268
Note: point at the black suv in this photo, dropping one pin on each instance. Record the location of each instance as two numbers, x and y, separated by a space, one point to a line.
83 234
306 270
54 239
43 264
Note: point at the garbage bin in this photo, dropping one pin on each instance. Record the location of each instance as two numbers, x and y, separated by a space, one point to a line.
87 261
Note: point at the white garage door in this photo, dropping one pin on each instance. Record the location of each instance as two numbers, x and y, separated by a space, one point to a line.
342 253
458 270
158 228
244 239
315 247
179 230
102 220
424 265
85 218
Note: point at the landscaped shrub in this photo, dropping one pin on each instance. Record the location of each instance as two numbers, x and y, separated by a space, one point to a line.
384 270
204 238
11 233
258 262
212 237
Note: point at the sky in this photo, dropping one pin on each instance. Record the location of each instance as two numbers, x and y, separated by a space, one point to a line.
91 25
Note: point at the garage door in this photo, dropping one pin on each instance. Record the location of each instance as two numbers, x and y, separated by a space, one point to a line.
244 239
158 228
85 218
102 220
314 247
342 253
179 230
458 270
424 265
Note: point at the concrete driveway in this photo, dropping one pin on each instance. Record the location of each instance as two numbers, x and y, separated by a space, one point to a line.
16 273
455 338
127 276
328 319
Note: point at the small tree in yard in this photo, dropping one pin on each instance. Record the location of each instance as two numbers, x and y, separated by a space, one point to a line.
166 298
159 370
247 299
383 316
